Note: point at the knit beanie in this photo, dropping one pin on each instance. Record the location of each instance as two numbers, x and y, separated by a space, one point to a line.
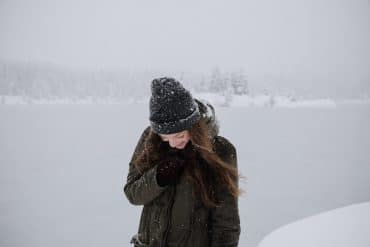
172 107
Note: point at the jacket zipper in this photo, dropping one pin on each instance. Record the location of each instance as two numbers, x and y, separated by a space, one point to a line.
169 210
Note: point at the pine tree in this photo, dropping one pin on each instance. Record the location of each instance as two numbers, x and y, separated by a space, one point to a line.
239 83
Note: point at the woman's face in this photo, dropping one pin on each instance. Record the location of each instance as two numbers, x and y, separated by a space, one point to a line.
177 140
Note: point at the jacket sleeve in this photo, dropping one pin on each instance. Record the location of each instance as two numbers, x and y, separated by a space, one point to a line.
225 220
141 188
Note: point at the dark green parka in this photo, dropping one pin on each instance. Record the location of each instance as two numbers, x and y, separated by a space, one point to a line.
171 216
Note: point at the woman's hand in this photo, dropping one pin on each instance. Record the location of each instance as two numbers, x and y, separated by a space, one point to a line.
169 170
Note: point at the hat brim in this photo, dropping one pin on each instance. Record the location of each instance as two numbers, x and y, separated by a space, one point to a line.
176 126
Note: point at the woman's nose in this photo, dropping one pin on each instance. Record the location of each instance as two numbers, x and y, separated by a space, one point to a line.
173 143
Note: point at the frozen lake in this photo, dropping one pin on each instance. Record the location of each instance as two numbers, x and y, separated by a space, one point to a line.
62 169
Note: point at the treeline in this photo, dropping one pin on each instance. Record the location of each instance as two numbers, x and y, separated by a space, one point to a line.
234 82
53 82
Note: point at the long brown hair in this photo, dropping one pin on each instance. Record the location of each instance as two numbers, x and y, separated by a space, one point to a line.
205 167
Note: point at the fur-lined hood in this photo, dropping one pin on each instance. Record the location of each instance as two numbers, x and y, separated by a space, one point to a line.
207 112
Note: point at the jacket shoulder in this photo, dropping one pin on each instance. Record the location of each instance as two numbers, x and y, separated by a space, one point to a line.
144 134
140 144
146 131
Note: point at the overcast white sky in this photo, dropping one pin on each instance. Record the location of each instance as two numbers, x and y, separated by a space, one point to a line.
314 40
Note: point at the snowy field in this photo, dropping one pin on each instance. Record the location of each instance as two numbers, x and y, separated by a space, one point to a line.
62 169
341 227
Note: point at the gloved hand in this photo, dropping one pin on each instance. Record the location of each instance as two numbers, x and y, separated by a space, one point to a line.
169 170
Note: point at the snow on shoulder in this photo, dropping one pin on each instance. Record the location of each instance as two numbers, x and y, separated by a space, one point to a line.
341 227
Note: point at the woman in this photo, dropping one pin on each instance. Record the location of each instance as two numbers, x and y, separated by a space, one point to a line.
184 174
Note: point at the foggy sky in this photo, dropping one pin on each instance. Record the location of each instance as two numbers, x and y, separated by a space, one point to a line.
287 40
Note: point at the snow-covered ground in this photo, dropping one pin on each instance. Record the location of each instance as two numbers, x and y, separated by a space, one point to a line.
342 227
62 168
264 100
